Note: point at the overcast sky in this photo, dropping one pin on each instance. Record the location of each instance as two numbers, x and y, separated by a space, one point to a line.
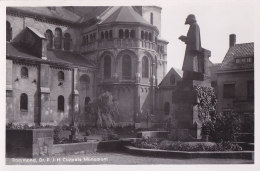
216 21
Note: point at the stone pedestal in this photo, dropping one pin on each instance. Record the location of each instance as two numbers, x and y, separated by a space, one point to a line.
187 124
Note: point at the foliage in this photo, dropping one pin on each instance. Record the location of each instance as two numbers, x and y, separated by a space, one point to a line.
218 126
105 110
149 143
109 135
225 126
57 136
26 126
248 124
153 143
206 102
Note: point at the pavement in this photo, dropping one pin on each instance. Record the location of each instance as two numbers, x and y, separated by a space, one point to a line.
96 158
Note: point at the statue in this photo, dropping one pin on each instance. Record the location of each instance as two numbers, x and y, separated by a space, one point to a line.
193 64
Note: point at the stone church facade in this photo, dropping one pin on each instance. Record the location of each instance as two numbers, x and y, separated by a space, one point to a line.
58 59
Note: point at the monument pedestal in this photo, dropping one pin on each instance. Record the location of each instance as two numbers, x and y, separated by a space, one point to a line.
187 123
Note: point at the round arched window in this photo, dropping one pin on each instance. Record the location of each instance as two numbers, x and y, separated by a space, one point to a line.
61 76
24 102
145 67
24 72
61 103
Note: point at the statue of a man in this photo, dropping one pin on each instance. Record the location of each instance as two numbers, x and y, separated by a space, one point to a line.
193 48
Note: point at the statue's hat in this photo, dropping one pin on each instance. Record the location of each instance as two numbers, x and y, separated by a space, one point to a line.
190 19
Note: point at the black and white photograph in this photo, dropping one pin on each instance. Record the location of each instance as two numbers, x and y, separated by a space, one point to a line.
163 83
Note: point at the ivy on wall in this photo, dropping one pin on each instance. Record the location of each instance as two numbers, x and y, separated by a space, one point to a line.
206 102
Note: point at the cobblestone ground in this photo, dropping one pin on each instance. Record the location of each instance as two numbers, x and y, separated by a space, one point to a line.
116 158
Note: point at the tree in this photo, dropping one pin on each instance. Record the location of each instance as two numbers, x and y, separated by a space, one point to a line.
105 110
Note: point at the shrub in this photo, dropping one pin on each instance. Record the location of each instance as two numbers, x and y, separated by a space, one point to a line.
153 143
25 126
225 126
109 135
149 143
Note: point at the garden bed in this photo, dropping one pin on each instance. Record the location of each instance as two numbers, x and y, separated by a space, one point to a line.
155 143
249 155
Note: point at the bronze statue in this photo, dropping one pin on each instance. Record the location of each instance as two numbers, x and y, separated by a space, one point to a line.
193 62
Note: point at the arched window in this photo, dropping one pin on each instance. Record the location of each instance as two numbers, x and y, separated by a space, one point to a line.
106 35
126 67
61 103
121 34
127 34
107 66
8 31
87 39
145 67
102 35
142 35
132 34
150 37
23 102
172 80
166 108
61 76
146 36
58 38
151 18
24 72
67 41
83 40
87 100
110 34
91 37
162 49
49 37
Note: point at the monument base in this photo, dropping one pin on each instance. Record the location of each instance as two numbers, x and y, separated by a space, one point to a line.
187 123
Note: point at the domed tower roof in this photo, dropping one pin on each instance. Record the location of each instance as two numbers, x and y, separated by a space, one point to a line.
125 14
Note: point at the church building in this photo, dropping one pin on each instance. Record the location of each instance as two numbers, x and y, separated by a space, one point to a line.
59 59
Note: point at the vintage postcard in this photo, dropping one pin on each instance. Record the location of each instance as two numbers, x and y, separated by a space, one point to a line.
129 83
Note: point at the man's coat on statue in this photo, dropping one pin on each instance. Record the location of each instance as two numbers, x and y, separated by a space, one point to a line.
193 47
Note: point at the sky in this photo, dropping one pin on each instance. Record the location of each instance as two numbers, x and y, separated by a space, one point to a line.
216 20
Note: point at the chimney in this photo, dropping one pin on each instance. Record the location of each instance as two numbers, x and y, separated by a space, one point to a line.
232 40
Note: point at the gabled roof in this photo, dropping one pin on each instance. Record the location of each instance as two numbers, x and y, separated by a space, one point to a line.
125 14
16 51
58 13
166 80
87 13
53 56
37 33
68 57
238 51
